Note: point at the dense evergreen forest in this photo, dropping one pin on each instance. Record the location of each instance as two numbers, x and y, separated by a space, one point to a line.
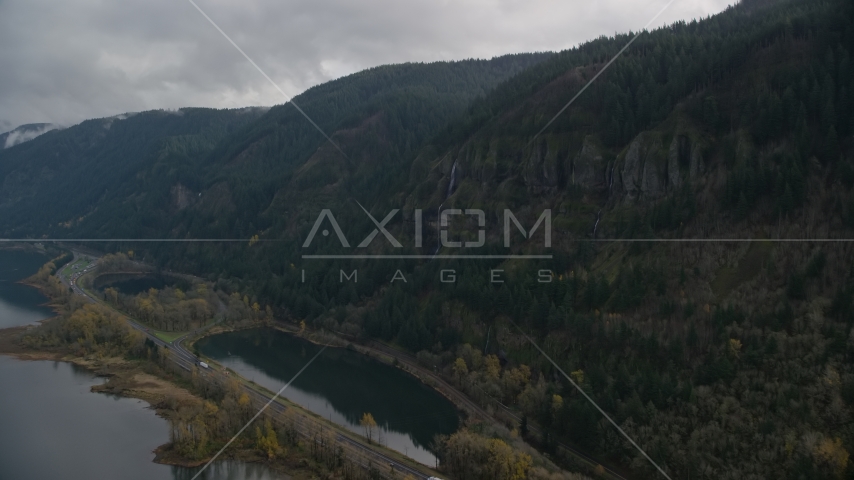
722 359
140 171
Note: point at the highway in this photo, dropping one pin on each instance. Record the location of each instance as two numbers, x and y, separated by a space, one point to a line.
357 451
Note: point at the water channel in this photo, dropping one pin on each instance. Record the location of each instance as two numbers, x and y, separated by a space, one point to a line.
53 427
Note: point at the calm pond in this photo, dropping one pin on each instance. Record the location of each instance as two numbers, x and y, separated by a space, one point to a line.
340 385
53 427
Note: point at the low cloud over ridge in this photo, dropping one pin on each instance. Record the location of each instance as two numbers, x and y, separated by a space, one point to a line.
69 61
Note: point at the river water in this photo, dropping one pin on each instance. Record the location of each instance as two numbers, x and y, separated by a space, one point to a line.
20 304
340 385
53 427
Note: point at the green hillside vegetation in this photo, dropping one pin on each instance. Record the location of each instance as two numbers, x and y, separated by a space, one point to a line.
137 169
722 359
52 185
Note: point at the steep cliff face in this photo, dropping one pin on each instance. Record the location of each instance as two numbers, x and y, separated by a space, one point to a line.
654 165
544 166
549 166
588 166
643 168
684 160
648 171
678 148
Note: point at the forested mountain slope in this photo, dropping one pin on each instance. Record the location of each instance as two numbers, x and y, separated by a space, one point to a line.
722 359
142 170
726 360
52 183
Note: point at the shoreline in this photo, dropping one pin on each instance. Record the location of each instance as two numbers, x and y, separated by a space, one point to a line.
149 388
367 351
126 380
50 303
158 386
464 409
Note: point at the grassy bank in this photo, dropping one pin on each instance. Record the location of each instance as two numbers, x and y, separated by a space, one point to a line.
136 368
204 411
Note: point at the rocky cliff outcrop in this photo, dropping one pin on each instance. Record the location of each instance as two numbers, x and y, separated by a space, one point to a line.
588 167
543 167
648 171
685 158
643 171
677 156
697 165
182 197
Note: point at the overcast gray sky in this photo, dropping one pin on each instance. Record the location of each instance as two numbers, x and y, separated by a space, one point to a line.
63 62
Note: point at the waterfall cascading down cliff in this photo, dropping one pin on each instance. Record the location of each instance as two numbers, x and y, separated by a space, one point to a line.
439 211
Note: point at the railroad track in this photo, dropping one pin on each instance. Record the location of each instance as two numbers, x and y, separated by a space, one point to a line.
186 360
470 404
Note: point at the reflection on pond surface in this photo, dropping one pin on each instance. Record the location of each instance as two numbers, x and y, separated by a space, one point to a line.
340 385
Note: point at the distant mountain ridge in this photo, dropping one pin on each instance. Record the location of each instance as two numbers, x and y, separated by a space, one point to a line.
25 133
134 165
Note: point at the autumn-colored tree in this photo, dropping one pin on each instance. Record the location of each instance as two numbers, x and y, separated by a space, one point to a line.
266 440
472 456
472 356
492 367
832 455
112 295
510 464
513 381
557 403
369 424
734 347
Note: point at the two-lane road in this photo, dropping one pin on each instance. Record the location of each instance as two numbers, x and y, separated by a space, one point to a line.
187 360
